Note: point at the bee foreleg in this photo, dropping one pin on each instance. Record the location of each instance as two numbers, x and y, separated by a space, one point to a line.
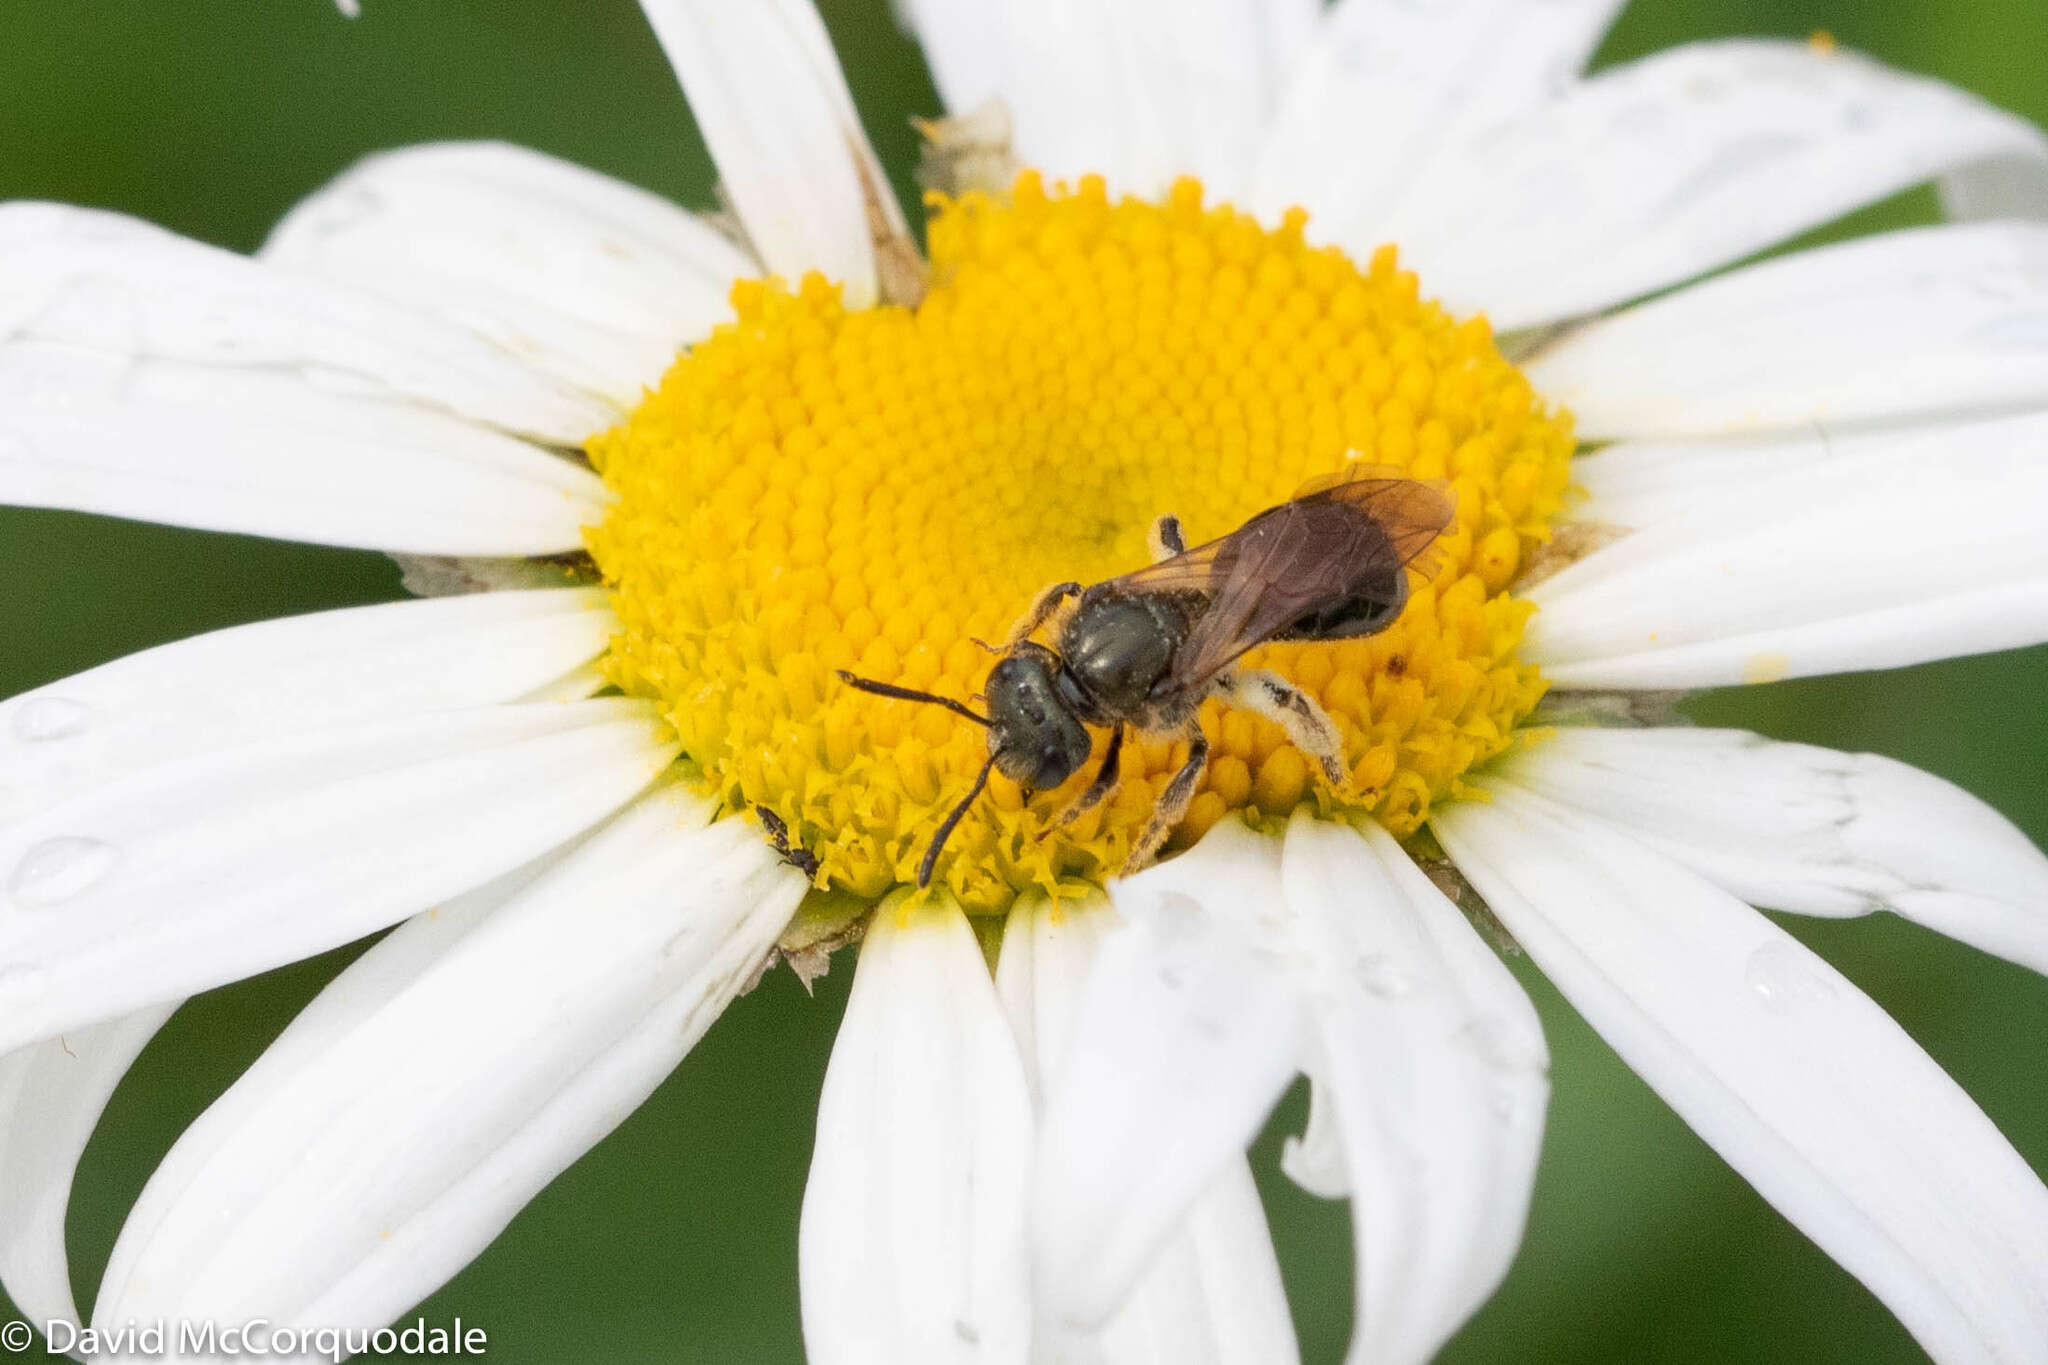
1165 538
1173 803
1104 783
1309 727
1038 613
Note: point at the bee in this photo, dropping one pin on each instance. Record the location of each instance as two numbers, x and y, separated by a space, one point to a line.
1143 651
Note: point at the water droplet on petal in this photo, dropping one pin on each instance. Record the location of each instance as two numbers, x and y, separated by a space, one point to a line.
1509 1109
1382 978
1499 1046
1787 977
40 719
56 870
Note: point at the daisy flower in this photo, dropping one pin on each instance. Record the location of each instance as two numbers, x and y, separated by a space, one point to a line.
660 478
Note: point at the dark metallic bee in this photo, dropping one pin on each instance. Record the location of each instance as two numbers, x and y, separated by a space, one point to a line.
1143 651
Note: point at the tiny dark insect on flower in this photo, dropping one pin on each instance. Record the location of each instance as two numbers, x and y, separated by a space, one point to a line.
793 853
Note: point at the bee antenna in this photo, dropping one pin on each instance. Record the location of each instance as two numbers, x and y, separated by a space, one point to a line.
931 855
882 689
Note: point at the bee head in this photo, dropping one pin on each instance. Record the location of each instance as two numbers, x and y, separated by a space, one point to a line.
1034 736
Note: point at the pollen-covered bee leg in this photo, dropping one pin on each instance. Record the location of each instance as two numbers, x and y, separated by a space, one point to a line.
1040 611
1104 783
1165 538
1173 803
1309 727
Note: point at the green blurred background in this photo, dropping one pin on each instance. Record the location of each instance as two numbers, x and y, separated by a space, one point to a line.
676 1238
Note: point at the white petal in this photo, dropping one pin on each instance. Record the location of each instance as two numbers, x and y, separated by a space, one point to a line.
597 282
235 687
1138 91
1794 827
51 1098
369 983
1660 170
203 871
1794 1076
128 291
1635 483
769 98
1385 87
265 451
429 1103
1186 1035
1918 549
912 1245
1942 320
1212 1293
1432 1066
2009 187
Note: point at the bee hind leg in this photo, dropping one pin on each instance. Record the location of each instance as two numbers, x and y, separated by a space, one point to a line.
1165 538
1173 803
1309 727
1104 783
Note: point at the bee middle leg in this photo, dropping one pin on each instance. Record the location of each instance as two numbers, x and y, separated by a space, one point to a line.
1165 538
1037 614
1104 783
1309 727
1173 802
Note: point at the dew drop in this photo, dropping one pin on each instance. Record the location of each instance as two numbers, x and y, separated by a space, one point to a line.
1382 978
1498 1046
1786 978
40 719
1509 1109
56 870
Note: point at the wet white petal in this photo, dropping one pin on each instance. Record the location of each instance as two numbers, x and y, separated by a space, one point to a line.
1941 320
595 281
769 98
912 1245
1660 170
195 873
1803 1084
372 981
425 1106
1138 91
1431 1068
292 676
1806 573
1212 1293
1795 827
126 290
1185 1036
1386 89
51 1096
263 452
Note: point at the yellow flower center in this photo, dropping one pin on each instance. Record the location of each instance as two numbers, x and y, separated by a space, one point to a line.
814 489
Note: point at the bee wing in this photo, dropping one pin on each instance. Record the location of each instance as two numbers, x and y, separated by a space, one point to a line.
1194 570
1307 555
1413 512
